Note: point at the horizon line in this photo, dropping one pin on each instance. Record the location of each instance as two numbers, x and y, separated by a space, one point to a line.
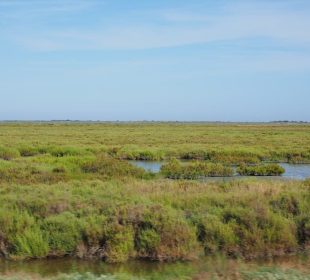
147 121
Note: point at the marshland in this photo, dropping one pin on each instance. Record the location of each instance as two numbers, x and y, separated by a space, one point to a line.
154 140
74 191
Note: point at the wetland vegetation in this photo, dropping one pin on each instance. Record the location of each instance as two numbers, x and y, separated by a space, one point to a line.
67 190
226 143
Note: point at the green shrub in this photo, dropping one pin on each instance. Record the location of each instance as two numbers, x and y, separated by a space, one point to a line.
217 236
260 170
163 234
63 233
261 232
31 243
119 244
148 240
107 239
175 170
21 235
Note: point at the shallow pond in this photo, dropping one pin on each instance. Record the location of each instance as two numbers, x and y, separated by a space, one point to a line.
292 171
153 270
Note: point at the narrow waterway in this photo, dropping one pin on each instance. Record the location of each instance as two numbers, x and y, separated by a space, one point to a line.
292 171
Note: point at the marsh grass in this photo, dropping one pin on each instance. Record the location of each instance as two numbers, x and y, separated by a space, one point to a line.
64 191
225 143
157 220
272 169
8 153
174 169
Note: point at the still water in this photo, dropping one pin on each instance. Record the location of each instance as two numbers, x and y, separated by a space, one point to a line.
217 265
292 171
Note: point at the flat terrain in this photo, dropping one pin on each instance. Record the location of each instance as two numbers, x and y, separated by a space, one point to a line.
227 142
67 190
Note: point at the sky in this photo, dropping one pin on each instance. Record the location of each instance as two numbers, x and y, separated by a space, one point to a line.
165 60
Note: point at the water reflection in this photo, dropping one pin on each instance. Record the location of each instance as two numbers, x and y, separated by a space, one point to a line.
292 171
151 270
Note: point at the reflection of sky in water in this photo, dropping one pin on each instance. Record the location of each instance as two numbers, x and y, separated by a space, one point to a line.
153 166
293 171
296 171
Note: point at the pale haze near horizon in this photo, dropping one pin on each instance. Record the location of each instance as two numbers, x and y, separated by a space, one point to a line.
155 60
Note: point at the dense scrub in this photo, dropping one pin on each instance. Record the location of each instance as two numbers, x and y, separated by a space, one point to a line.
194 170
260 170
156 220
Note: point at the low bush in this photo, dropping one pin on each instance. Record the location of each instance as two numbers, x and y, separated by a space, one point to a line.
63 233
163 234
119 243
217 236
175 170
21 235
261 233
260 170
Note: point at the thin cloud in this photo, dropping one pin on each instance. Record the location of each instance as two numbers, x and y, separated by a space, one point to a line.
24 10
234 22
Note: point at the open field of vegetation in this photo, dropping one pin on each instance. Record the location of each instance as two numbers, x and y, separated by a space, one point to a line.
67 190
226 143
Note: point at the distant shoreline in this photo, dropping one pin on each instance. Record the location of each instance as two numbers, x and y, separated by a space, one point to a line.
155 121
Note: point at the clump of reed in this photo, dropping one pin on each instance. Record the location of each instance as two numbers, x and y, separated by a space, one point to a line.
174 169
272 169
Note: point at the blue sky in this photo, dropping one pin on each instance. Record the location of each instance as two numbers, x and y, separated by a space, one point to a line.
155 60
